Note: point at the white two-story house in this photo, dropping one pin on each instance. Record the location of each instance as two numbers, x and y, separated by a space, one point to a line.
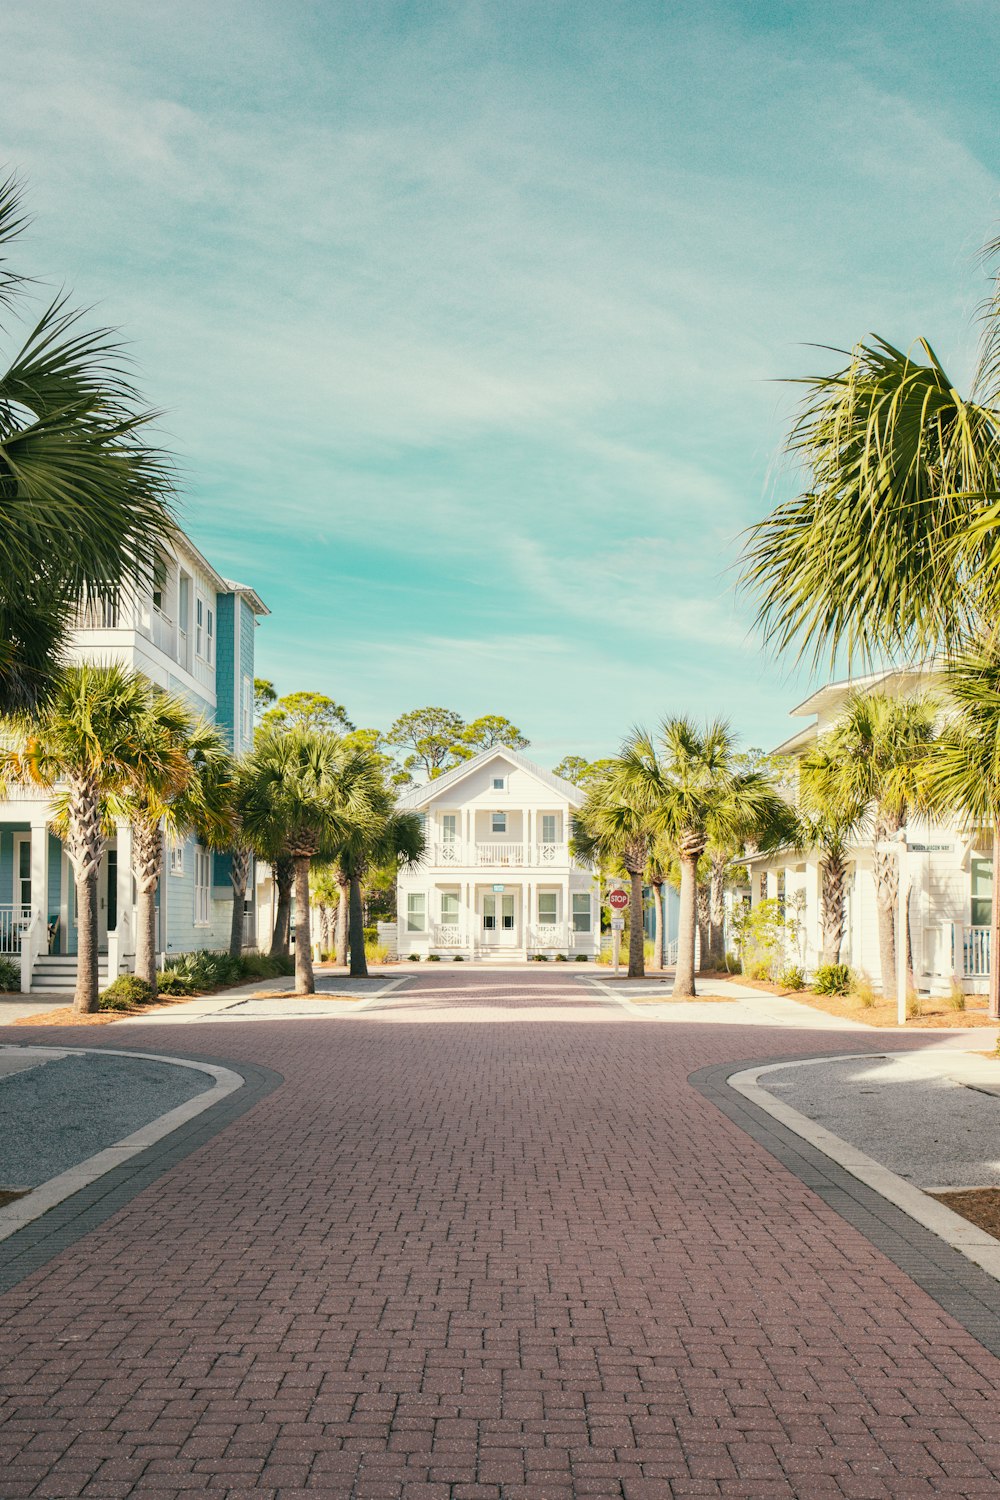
498 880
192 632
946 867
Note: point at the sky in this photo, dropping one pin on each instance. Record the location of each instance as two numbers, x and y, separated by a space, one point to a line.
471 321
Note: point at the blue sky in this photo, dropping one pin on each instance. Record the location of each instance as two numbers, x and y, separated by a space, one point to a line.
467 318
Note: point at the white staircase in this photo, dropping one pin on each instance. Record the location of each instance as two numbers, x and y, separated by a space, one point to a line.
56 975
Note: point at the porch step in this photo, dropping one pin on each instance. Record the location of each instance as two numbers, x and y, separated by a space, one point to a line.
54 974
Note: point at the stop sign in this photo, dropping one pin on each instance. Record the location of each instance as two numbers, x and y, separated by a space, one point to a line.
618 900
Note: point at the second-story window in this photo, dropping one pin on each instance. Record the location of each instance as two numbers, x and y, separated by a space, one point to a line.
159 583
247 709
548 828
449 828
210 636
199 626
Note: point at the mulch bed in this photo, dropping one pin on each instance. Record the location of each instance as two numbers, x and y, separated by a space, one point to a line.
981 1206
934 1013
11 1195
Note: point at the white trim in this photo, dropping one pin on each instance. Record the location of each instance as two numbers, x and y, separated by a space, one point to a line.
419 796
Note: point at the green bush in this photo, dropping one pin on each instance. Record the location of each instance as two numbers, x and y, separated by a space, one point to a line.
792 978
124 992
170 983
561 958
733 963
10 976
758 968
539 958
414 958
263 966
458 959
371 934
832 979
433 958
863 992
376 953
581 958
207 970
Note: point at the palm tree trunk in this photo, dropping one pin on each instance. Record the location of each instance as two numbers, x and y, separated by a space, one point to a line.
832 876
886 872
704 924
993 1003
305 984
657 924
85 998
637 930
687 918
359 965
342 908
284 874
717 914
239 873
147 862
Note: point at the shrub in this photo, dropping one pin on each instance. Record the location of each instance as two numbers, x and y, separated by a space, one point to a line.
733 963
168 982
955 998
561 958
263 966
581 958
207 970
371 934
832 979
458 959
758 968
914 1004
10 975
414 958
124 992
376 953
433 958
539 958
863 992
792 979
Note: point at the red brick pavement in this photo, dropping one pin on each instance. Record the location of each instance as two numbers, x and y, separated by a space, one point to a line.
464 1261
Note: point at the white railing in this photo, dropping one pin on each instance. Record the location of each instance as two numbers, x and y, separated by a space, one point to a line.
163 633
99 614
452 853
975 948
549 935
15 923
447 935
499 854
551 854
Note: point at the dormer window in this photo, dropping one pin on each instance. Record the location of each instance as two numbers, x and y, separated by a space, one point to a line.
499 783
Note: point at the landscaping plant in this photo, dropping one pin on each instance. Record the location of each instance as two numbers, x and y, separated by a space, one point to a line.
10 976
125 992
833 979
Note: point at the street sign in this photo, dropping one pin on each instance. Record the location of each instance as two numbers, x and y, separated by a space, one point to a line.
618 900
617 924
498 887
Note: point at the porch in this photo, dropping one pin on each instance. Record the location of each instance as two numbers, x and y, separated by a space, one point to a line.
501 919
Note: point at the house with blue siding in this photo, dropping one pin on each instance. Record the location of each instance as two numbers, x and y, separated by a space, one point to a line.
191 631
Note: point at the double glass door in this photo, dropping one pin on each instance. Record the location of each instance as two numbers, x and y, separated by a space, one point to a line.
498 917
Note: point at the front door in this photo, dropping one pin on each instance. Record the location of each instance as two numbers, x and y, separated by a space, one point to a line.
498 919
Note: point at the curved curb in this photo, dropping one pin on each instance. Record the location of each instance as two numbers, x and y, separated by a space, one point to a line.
961 1286
61 1211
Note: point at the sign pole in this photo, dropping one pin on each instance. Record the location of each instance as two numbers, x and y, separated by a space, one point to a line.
616 943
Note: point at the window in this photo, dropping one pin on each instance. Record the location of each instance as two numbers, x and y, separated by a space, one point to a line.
507 913
449 908
199 626
416 912
246 706
449 828
499 822
159 582
548 828
24 873
499 783
982 892
581 913
547 908
202 886
176 857
209 636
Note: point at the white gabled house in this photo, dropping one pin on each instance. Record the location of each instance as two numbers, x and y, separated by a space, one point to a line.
947 868
498 880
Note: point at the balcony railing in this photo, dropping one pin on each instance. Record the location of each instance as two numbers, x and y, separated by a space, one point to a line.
447 935
14 924
497 855
975 942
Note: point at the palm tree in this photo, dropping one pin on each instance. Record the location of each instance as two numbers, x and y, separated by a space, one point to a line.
614 827
689 792
381 836
894 543
85 748
878 749
308 786
829 817
179 783
82 495
963 767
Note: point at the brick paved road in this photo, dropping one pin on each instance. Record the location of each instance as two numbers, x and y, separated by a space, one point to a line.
510 1255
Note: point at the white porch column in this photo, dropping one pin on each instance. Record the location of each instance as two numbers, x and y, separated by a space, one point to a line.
527 912
566 915
529 836
468 918
35 938
121 943
811 916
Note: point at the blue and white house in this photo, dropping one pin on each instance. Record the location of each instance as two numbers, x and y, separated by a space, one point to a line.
191 631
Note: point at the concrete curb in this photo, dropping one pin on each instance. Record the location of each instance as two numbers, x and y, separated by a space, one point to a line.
218 1007
957 1232
40 1199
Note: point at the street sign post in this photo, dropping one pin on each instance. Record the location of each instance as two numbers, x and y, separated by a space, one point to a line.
618 901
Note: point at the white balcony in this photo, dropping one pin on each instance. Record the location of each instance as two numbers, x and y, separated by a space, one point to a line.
975 951
447 935
497 855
